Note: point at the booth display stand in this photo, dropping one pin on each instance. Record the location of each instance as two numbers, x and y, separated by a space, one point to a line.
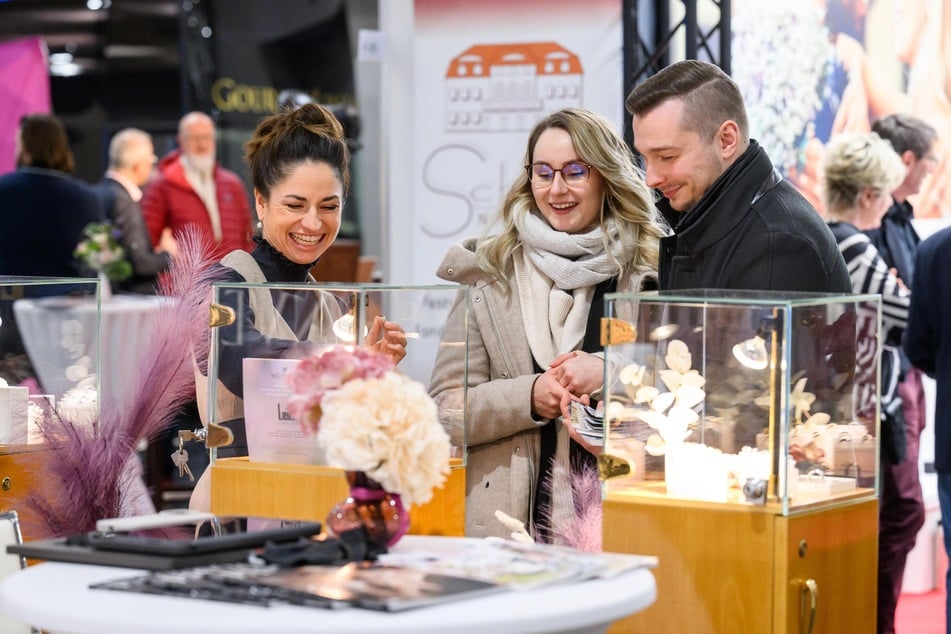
244 488
727 569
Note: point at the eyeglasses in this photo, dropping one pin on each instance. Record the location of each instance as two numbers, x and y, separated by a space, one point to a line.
542 175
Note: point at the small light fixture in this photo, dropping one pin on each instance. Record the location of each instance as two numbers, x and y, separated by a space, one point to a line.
345 326
752 352
664 332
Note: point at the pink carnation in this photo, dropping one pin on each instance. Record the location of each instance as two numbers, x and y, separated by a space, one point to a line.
327 371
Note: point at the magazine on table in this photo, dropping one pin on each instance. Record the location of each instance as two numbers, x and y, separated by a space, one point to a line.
518 565
431 574
362 585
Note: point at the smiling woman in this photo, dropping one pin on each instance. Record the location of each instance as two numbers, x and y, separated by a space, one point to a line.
578 223
300 169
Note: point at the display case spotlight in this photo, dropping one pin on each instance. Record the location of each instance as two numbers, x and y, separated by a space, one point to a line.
752 352
345 327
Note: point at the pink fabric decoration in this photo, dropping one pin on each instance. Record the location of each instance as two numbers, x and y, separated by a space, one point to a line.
24 89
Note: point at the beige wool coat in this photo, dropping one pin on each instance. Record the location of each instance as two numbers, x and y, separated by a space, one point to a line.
502 437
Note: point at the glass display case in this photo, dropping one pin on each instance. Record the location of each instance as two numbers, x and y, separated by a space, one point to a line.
741 398
247 376
49 369
49 354
330 314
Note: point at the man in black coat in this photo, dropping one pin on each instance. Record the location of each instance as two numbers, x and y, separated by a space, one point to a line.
738 224
131 160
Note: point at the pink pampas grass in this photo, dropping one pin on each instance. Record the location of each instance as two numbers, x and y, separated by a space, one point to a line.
82 475
582 530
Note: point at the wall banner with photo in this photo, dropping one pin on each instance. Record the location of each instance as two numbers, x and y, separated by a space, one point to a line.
809 70
482 74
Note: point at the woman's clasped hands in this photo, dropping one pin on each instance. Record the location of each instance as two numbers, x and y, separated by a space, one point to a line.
572 376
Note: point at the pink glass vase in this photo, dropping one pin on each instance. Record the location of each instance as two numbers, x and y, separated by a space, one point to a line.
369 505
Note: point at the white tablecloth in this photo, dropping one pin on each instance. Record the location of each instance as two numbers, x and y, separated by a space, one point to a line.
56 597
63 342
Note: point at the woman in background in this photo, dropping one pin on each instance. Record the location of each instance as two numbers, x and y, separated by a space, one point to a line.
860 172
579 222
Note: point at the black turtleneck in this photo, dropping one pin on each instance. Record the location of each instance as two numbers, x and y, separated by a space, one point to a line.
241 340
275 266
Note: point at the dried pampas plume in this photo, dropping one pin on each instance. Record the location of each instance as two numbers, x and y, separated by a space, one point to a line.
582 528
82 475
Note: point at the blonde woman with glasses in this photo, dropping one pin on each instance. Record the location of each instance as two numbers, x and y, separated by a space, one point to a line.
578 222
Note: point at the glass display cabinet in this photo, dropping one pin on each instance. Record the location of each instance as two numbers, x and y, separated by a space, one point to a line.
741 446
49 366
271 467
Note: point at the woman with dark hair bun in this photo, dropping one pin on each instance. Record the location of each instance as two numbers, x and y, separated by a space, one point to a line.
299 165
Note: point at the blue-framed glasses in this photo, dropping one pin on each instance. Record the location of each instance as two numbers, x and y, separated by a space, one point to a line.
542 175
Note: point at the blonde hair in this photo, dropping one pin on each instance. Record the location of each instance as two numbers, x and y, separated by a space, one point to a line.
628 214
854 162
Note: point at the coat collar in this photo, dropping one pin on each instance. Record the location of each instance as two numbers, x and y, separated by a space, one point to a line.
725 203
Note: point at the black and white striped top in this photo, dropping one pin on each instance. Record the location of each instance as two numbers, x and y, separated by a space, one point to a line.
870 274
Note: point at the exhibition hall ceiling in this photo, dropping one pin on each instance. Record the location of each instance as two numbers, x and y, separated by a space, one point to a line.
97 36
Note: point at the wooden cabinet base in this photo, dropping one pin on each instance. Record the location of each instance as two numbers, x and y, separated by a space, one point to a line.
240 487
729 570
19 475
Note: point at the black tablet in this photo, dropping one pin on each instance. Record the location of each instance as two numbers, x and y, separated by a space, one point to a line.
130 543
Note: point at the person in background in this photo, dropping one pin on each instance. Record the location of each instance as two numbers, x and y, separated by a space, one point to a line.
46 208
927 344
860 171
300 168
737 223
191 187
579 222
131 160
895 238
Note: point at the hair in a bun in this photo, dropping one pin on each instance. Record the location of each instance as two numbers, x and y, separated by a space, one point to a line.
281 141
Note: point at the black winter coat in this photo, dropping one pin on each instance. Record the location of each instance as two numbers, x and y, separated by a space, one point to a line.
753 231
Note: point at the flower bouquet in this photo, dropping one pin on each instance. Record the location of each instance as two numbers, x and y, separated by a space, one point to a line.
375 423
100 250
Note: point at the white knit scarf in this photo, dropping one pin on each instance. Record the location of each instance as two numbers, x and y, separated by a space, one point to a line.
556 274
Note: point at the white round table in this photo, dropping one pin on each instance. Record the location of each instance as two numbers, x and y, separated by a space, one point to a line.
56 598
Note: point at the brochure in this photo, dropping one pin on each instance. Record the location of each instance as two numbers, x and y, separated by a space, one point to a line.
273 434
518 565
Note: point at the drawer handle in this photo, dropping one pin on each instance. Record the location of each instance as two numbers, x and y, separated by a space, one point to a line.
6 483
808 599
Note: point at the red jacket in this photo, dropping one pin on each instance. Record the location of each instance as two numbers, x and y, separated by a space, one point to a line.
170 201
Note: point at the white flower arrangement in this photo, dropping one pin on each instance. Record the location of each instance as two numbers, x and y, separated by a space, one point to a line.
368 417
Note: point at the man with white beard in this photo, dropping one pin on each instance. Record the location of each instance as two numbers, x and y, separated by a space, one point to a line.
191 188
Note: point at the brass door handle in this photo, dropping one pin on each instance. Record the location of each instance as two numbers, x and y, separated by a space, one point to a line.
808 600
